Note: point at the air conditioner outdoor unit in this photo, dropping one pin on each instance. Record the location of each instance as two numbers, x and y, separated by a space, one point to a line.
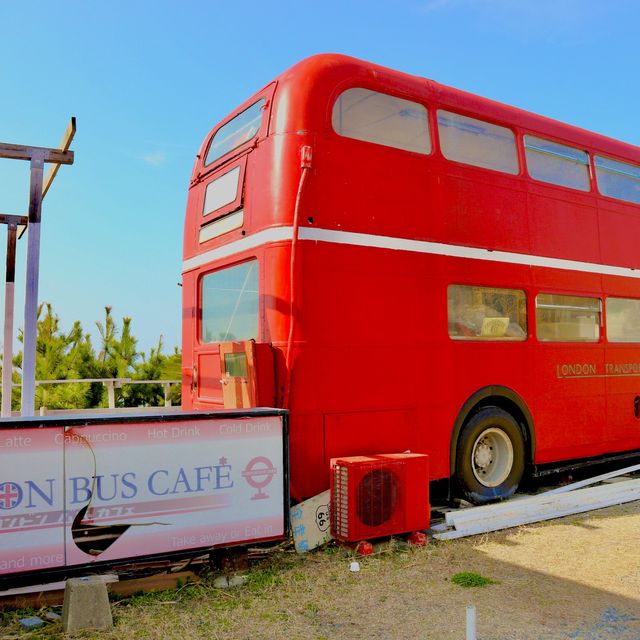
379 495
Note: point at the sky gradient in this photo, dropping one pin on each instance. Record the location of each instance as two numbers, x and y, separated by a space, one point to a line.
148 80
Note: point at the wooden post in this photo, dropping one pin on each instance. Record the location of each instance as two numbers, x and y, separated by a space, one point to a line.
31 297
38 188
111 394
7 353
167 399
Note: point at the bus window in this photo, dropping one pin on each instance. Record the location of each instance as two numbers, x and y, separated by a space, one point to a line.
556 163
618 179
377 117
478 143
221 191
562 318
623 320
486 313
236 132
230 303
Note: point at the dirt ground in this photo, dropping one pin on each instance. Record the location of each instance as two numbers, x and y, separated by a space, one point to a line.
575 578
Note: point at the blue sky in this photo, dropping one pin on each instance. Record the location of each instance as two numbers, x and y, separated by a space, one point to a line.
147 80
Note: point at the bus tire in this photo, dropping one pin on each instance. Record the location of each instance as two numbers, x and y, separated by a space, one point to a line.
489 456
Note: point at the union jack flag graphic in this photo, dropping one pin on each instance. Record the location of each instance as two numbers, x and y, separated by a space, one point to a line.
10 495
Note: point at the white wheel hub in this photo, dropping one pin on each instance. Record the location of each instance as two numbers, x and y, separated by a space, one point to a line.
492 457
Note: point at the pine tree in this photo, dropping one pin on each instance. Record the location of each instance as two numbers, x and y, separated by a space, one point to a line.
71 356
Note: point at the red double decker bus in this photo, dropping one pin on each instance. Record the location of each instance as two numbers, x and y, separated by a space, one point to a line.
406 266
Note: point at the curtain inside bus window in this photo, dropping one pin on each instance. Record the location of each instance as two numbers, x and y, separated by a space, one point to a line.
476 142
221 191
236 132
618 179
486 313
230 303
561 318
623 320
556 163
376 117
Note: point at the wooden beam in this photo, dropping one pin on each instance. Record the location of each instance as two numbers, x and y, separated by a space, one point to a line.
6 218
487 518
65 143
22 152
594 480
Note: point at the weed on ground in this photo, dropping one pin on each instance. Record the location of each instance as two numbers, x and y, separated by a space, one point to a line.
574 578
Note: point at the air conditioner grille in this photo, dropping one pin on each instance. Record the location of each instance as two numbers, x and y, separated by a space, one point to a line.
377 497
341 500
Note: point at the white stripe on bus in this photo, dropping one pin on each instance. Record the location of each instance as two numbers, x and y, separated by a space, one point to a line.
277 234
266 236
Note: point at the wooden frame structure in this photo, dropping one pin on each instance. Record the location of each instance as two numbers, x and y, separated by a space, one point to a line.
39 186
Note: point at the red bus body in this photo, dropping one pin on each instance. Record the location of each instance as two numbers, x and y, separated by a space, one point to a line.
380 234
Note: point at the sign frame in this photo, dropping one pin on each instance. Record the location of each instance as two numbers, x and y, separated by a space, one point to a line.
170 419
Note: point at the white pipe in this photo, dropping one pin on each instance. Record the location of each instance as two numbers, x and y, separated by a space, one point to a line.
471 622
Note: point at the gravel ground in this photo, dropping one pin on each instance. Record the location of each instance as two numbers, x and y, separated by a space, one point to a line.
574 578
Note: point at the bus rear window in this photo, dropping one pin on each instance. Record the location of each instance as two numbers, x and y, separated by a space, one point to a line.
230 303
236 132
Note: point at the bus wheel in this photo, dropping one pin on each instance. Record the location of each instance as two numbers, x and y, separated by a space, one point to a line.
489 456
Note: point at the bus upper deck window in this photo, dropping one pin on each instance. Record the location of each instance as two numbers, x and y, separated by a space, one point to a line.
236 132
376 117
478 143
556 163
617 179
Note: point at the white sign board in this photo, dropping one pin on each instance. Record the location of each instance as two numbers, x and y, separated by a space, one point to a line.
85 493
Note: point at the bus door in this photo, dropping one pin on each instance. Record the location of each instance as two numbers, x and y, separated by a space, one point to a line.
622 373
236 375
570 397
232 371
246 375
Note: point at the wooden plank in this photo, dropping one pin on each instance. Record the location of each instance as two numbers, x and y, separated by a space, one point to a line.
541 502
473 513
65 143
21 152
517 522
6 218
556 506
159 582
600 478
514 508
49 595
